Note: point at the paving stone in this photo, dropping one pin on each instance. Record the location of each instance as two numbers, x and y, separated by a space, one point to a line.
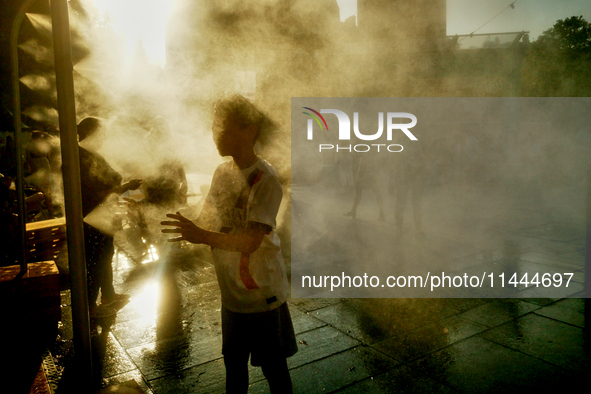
255 374
334 372
135 332
576 258
400 380
348 318
485 257
312 304
555 342
553 259
579 241
134 375
498 312
558 248
540 301
373 320
128 387
518 242
426 339
554 232
579 276
109 357
168 356
476 365
319 343
464 304
152 297
570 310
474 266
304 321
205 378
555 293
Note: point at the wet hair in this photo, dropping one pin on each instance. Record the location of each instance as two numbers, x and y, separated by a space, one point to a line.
88 126
241 110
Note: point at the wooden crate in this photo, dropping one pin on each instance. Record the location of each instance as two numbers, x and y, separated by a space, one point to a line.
46 240
37 290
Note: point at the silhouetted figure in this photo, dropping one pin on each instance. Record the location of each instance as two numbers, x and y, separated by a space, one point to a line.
98 181
238 219
346 178
366 172
409 178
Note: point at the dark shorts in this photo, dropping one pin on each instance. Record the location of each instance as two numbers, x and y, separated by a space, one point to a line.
266 336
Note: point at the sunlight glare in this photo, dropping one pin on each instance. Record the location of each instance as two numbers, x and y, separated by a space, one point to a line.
146 302
151 255
141 25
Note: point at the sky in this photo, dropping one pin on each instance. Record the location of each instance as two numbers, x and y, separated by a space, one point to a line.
466 16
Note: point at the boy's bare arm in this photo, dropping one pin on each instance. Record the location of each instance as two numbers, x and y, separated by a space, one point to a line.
246 242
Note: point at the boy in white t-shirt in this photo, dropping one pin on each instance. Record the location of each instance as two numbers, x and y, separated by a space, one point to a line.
238 222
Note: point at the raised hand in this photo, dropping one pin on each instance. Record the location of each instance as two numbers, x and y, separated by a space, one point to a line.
187 229
133 184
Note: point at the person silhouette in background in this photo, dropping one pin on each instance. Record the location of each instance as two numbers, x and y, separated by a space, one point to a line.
409 173
366 174
98 181
168 187
165 188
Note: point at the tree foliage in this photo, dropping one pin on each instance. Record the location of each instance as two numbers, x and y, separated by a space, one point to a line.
559 61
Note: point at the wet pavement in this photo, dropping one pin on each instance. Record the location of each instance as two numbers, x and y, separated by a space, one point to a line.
168 337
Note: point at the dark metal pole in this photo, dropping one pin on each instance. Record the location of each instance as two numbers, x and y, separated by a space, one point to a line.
16 26
587 282
72 192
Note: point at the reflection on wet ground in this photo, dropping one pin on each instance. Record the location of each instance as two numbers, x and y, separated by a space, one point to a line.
168 337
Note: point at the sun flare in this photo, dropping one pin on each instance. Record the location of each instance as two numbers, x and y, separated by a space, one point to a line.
140 24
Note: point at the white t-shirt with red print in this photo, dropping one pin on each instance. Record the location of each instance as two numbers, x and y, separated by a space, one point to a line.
238 200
